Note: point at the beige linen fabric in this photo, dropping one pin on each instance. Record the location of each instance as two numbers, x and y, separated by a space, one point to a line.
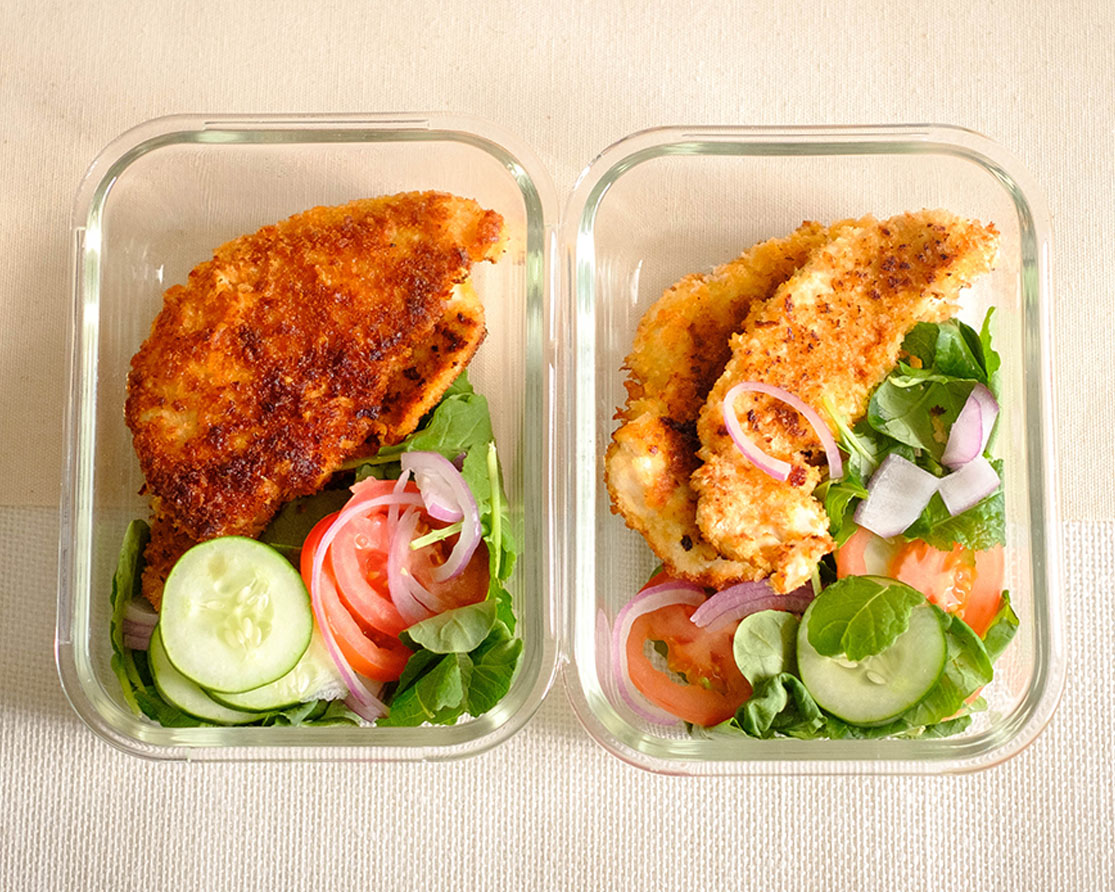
549 809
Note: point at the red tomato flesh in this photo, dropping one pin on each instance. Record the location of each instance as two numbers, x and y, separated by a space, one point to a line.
370 652
713 688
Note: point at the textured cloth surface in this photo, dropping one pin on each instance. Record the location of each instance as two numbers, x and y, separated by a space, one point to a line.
549 809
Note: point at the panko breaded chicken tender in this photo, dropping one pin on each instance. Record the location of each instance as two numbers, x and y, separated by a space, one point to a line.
833 329
680 349
286 352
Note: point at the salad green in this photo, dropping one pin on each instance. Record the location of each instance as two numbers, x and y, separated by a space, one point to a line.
461 660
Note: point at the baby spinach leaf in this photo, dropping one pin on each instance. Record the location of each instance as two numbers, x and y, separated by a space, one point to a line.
780 705
460 629
858 616
290 527
920 414
765 644
126 585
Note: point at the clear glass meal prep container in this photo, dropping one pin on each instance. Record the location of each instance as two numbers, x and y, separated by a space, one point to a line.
562 306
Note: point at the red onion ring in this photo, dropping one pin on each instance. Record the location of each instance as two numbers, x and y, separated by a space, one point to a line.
968 485
434 473
646 601
357 505
737 601
972 428
410 607
776 468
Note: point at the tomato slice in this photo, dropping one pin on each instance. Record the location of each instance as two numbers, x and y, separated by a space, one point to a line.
967 583
358 559
372 653
713 688
864 554
959 581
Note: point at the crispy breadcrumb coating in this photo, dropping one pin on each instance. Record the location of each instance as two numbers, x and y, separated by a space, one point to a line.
833 329
679 351
295 348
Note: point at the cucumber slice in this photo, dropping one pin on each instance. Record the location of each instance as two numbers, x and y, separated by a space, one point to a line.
235 615
880 687
182 693
314 678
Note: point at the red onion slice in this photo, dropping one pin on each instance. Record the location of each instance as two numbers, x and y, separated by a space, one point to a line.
436 475
968 485
399 580
646 601
359 504
896 494
140 614
737 601
972 428
776 468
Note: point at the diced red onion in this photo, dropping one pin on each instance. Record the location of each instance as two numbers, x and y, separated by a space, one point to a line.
140 614
646 601
135 641
896 494
137 633
776 468
737 601
972 428
436 475
968 485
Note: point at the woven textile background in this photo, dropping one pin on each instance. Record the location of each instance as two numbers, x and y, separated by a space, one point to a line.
550 809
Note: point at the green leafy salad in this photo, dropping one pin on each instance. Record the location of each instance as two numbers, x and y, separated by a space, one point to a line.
381 599
901 626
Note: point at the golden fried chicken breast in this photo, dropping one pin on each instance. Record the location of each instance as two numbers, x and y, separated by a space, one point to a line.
276 361
412 392
833 330
679 351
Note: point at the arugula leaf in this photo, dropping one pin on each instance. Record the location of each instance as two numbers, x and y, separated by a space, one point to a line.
1001 631
460 629
860 615
781 705
765 644
493 666
437 696
991 359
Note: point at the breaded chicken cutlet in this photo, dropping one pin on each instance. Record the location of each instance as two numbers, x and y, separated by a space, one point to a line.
859 286
296 348
830 333
679 351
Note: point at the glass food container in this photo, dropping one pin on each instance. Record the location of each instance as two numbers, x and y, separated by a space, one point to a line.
562 307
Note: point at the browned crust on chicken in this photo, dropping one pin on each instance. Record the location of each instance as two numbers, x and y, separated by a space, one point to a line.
272 365
679 351
413 391
832 330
